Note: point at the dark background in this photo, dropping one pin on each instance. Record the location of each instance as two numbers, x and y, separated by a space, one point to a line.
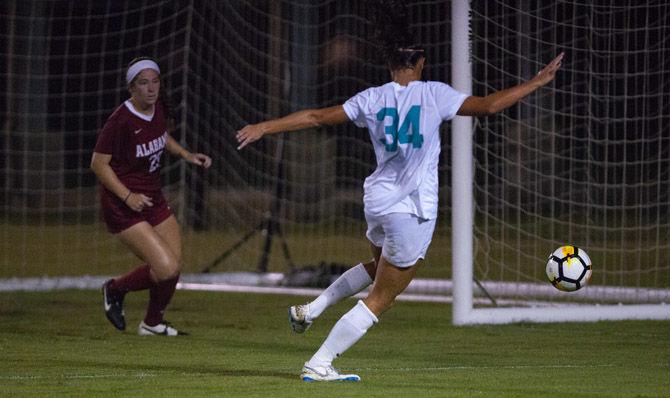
229 63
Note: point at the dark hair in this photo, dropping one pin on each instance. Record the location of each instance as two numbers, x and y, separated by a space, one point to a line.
163 95
392 36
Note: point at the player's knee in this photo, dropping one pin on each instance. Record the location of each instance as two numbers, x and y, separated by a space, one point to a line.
176 252
174 268
167 268
176 265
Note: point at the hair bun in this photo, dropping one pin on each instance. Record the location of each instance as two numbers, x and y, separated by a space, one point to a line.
392 34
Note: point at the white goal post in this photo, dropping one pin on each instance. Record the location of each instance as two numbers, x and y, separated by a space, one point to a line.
463 215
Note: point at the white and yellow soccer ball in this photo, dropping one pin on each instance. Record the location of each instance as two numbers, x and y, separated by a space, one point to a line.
569 268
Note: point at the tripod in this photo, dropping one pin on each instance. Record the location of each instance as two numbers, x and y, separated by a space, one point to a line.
270 225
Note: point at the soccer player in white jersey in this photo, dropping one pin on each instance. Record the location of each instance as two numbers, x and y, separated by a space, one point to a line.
400 197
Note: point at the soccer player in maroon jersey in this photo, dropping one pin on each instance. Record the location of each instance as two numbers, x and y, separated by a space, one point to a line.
126 160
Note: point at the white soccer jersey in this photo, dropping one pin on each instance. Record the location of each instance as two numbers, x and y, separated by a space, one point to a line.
404 123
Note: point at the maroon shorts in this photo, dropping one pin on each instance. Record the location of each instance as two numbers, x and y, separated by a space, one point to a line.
120 217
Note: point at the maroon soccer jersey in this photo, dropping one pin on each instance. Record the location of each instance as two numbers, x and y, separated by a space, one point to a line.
136 143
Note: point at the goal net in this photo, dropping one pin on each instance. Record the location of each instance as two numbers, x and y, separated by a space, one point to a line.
282 205
61 75
583 161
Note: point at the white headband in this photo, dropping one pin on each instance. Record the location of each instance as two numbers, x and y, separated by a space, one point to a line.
138 67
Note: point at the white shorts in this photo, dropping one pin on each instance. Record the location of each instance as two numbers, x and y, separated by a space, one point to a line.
403 237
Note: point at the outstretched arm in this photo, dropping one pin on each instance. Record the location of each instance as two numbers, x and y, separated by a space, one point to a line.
294 121
503 99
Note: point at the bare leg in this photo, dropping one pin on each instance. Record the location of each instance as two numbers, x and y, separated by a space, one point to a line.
160 247
389 283
148 245
140 278
170 231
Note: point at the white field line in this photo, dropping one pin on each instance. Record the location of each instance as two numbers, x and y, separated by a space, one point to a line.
142 375
78 376
462 367
245 283
427 290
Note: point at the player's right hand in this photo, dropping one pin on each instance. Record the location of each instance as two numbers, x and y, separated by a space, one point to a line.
138 201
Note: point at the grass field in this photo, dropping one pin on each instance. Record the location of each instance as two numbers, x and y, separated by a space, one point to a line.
59 344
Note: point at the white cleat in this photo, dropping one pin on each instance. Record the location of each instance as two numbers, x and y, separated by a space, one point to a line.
298 316
325 373
162 329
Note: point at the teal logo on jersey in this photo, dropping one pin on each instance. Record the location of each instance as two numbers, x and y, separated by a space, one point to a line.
399 135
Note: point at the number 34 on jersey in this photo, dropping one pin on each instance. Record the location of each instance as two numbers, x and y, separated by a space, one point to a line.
407 132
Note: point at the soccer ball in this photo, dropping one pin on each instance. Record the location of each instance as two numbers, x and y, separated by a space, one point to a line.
569 268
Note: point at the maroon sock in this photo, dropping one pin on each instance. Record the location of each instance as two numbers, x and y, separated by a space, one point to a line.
137 279
159 298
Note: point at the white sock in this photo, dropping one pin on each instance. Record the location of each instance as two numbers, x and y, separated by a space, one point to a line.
346 332
349 283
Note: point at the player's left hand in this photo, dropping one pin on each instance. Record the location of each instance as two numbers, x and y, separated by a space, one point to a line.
249 134
548 73
199 159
